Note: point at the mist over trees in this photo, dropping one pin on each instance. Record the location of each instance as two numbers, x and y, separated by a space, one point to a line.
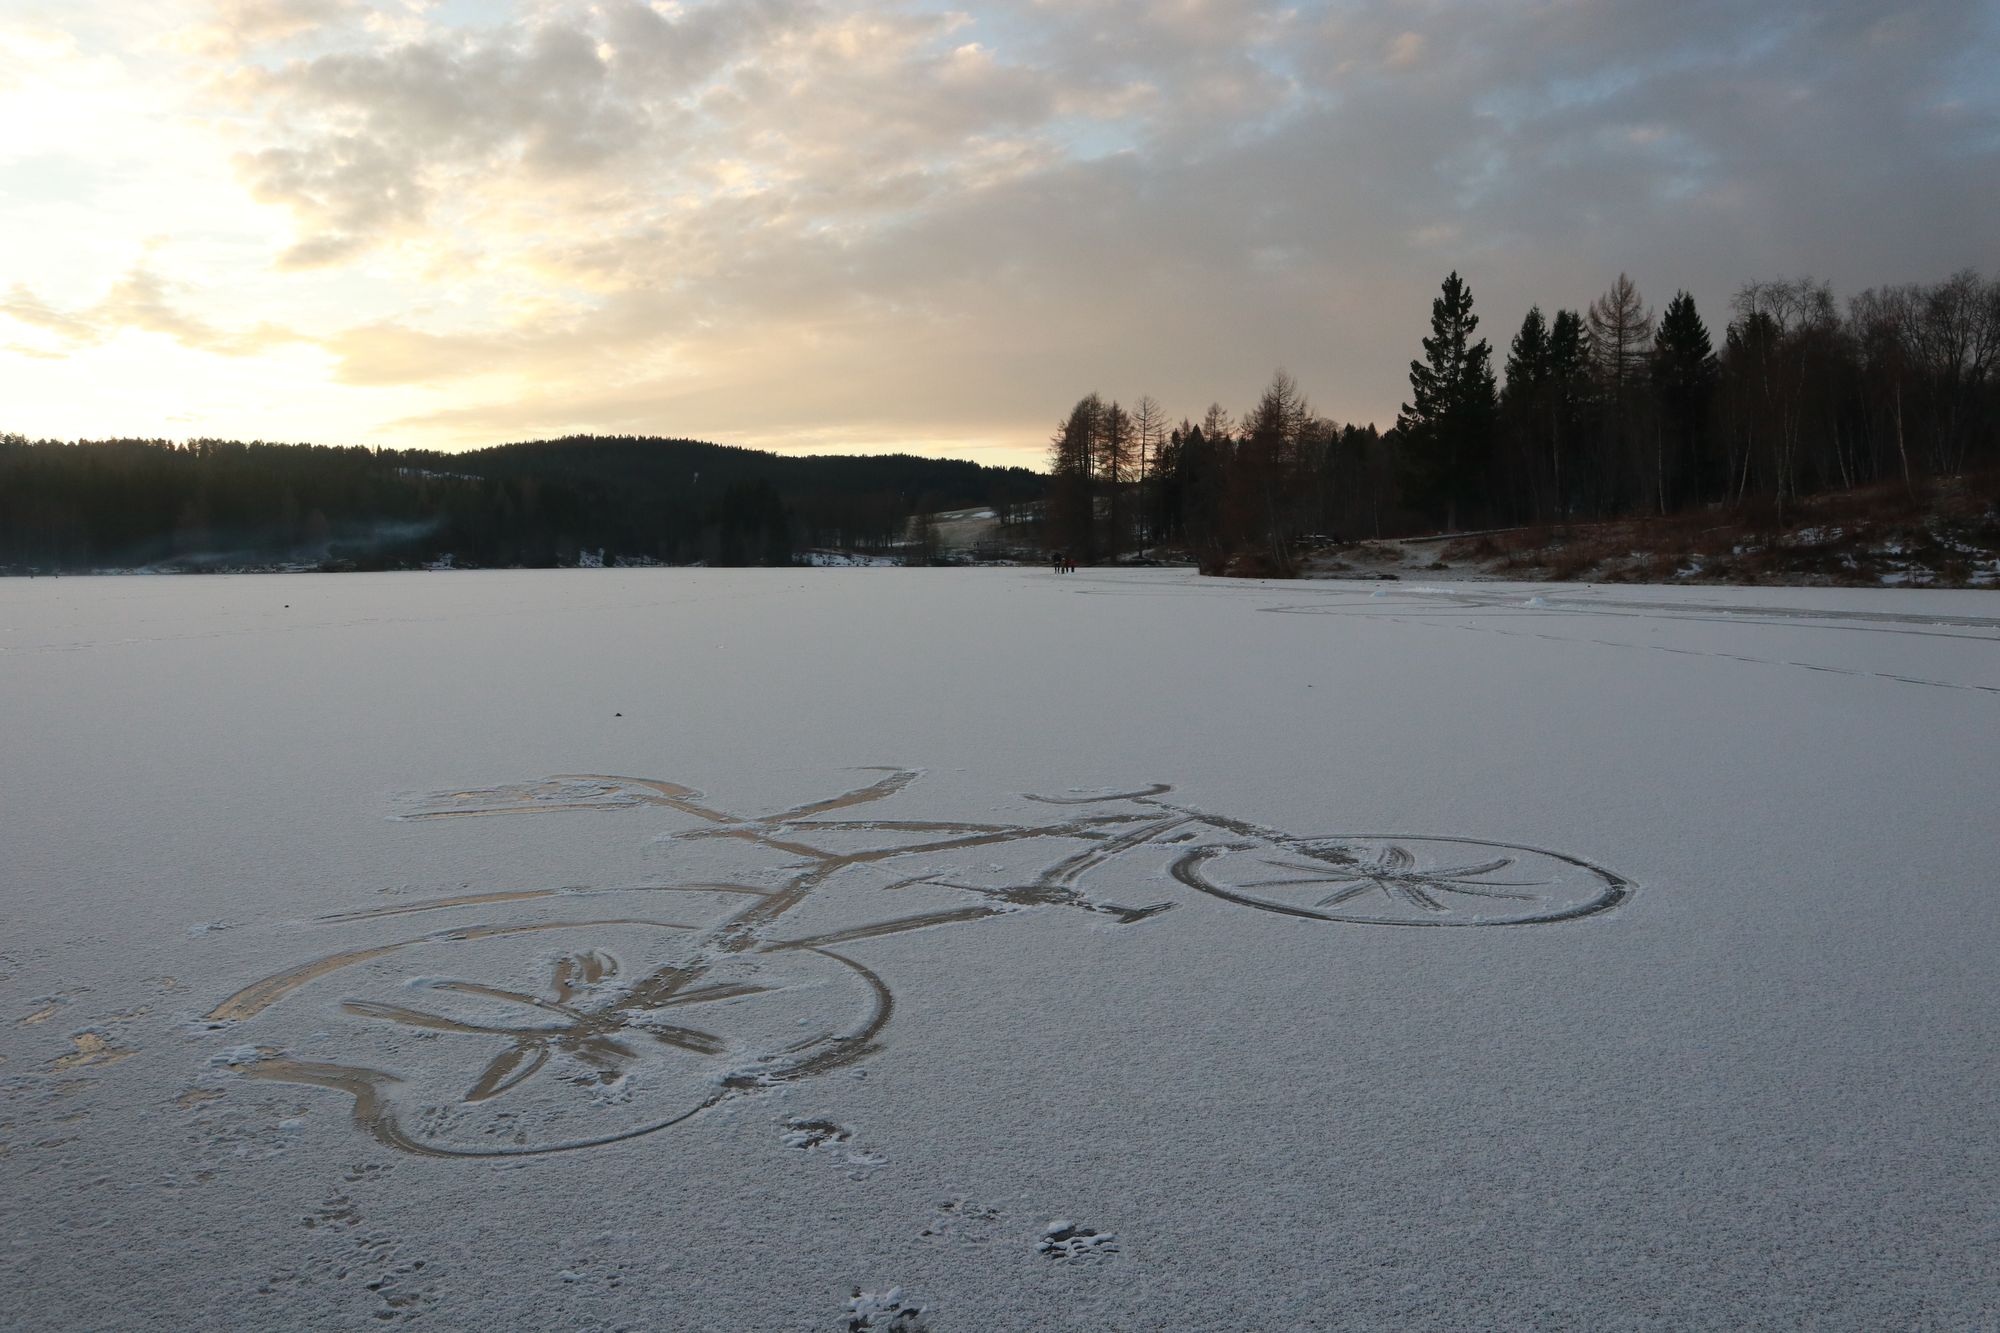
218 503
1610 412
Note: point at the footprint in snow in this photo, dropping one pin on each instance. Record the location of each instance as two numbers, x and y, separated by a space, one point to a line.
965 1221
1066 1242
884 1312
809 1135
806 1135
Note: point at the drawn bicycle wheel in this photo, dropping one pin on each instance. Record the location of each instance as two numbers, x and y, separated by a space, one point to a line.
502 1041
1402 880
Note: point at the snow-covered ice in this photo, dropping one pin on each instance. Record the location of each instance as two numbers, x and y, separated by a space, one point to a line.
687 949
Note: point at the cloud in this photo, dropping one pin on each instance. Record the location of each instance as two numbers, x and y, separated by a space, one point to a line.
140 300
346 188
233 27
791 218
1405 50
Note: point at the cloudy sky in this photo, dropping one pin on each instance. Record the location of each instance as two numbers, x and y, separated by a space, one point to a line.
813 224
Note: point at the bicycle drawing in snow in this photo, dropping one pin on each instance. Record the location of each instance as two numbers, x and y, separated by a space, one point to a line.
570 1017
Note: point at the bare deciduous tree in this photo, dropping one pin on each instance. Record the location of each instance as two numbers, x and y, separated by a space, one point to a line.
1149 425
1621 334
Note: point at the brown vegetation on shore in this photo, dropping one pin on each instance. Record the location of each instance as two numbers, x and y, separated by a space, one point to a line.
1939 534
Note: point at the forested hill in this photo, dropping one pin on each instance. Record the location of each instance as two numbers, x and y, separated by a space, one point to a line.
674 464
215 503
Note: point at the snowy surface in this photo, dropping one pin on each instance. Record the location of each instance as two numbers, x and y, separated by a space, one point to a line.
994 950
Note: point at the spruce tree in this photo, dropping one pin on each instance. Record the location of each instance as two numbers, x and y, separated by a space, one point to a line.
1684 373
1528 358
1526 403
1447 426
1570 361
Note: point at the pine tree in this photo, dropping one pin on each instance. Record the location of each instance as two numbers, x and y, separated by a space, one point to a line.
1570 400
1447 427
1526 401
1528 357
1684 375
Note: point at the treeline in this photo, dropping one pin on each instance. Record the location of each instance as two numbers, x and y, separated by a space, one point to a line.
1607 412
218 504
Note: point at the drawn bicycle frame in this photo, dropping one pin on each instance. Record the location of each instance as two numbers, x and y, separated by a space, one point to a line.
585 1020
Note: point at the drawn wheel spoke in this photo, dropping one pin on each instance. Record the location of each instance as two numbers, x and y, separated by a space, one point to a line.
511 996
417 1018
710 994
602 1052
1471 872
1456 887
510 1068
1417 895
1347 895
688 1039
1328 871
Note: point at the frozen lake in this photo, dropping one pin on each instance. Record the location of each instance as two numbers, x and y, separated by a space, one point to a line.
667 949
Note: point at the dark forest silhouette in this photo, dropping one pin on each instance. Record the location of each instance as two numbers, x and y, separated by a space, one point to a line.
1611 412
218 504
1606 413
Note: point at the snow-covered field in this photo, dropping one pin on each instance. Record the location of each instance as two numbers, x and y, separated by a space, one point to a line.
995 950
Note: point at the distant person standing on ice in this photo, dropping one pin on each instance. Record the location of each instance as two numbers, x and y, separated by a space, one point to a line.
1056 562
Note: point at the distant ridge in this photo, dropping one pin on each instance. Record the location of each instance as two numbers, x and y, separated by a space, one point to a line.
208 504
673 463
